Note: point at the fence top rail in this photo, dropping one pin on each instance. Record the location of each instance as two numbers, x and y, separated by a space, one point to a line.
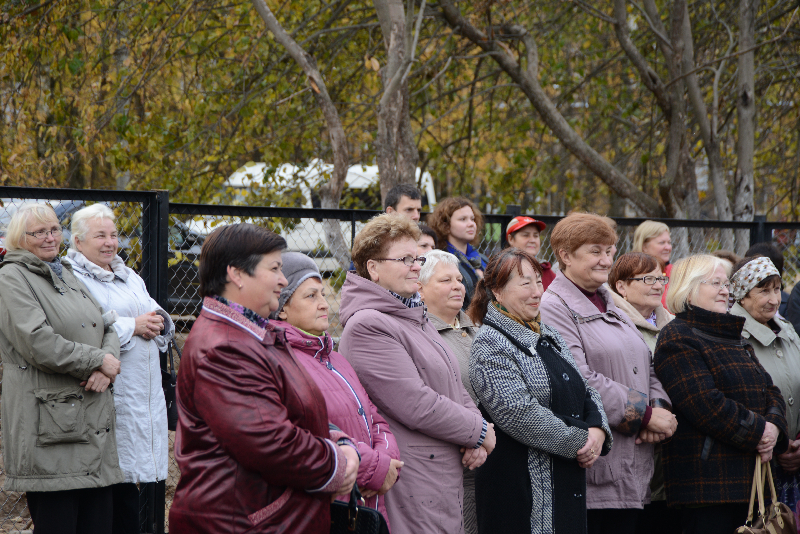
99 195
176 208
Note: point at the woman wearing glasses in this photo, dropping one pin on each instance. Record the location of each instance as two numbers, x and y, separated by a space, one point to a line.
727 406
638 286
60 353
413 377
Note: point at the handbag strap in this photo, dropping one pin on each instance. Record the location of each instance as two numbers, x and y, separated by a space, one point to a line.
173 346
775 502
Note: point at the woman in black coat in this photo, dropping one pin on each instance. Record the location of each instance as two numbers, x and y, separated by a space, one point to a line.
727 406
550 423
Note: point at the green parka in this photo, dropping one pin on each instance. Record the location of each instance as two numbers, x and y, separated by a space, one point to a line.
56 435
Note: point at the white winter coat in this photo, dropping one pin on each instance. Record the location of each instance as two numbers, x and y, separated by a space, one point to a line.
142 440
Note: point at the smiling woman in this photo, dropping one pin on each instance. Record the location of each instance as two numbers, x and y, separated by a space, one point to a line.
756 289
615 360
144 329
413 378
253 444
728 408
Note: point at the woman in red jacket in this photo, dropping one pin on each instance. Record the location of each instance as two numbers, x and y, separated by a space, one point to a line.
253 443
303 312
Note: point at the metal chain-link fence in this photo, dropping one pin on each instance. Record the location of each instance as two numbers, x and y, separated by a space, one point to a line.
163 241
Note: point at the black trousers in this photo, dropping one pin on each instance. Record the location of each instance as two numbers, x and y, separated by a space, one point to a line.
76 511
612 520
656 518
713 519
126 508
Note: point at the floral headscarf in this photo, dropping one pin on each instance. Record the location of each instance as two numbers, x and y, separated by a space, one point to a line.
750 276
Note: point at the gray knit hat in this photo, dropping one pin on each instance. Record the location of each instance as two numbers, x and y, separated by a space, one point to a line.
297 268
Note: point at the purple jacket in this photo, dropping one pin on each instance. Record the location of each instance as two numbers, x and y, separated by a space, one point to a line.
612 355
414 379
349 407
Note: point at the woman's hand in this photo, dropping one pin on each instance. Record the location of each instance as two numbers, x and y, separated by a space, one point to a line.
110 367
490 440
662 422
589 453
648 436
474 458
350 471
790 460
148 325
768 441
388 482
97 382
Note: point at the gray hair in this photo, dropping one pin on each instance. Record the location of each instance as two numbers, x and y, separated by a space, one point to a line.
435 257
15 233
81 218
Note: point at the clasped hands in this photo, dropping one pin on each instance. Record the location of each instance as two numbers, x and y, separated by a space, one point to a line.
662 425
101 378
474 458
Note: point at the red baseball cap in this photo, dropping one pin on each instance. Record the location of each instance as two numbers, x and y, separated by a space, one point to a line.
517 223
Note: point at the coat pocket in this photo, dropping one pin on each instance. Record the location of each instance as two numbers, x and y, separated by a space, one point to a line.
62 416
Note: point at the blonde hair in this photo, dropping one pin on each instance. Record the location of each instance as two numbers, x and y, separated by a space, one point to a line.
645 232
377 236
80 221
15 233
685 278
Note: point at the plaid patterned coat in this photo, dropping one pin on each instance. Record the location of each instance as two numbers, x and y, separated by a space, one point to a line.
723 399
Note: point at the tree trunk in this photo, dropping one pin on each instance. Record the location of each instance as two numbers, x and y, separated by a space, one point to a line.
331 191
396 150
746 107
716 168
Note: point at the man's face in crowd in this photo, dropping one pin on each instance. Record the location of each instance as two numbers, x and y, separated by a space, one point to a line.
407 207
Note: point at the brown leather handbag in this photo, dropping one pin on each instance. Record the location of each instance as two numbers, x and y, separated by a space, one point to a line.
778 519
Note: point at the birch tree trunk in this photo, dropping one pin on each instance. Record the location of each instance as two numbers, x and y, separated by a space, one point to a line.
396 149
746 108
331 191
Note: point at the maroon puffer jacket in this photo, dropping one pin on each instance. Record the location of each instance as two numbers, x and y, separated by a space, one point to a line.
349 407
252 434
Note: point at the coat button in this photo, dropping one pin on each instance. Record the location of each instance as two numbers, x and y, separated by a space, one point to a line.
94 324
463 334
83 325
779 352
635 370
431 457
791 401
566 377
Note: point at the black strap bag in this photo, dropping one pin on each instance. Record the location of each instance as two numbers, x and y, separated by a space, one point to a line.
348 518
169 381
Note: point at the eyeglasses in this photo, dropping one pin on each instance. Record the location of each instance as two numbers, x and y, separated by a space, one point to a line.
408 261
40 234
718 284
651 280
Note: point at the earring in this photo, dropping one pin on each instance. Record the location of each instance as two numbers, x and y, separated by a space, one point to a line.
240 286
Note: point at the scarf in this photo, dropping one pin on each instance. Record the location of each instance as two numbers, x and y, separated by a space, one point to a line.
414 301
56 267
750 276
80 261
248 314
473 257
535 325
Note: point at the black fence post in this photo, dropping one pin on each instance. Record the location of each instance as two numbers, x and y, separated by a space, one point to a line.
758 233
155 246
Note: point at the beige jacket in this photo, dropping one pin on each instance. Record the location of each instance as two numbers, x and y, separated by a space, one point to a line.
56 435
648 331
780 356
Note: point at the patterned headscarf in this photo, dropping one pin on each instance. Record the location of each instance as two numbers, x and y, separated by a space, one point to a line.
750 276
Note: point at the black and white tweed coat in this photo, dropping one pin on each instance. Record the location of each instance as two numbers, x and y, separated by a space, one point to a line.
514 390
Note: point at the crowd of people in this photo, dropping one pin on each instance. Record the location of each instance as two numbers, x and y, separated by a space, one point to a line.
467 394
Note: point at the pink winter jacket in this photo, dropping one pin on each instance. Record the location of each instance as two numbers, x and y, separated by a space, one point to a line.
615 360
414 379
349 407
